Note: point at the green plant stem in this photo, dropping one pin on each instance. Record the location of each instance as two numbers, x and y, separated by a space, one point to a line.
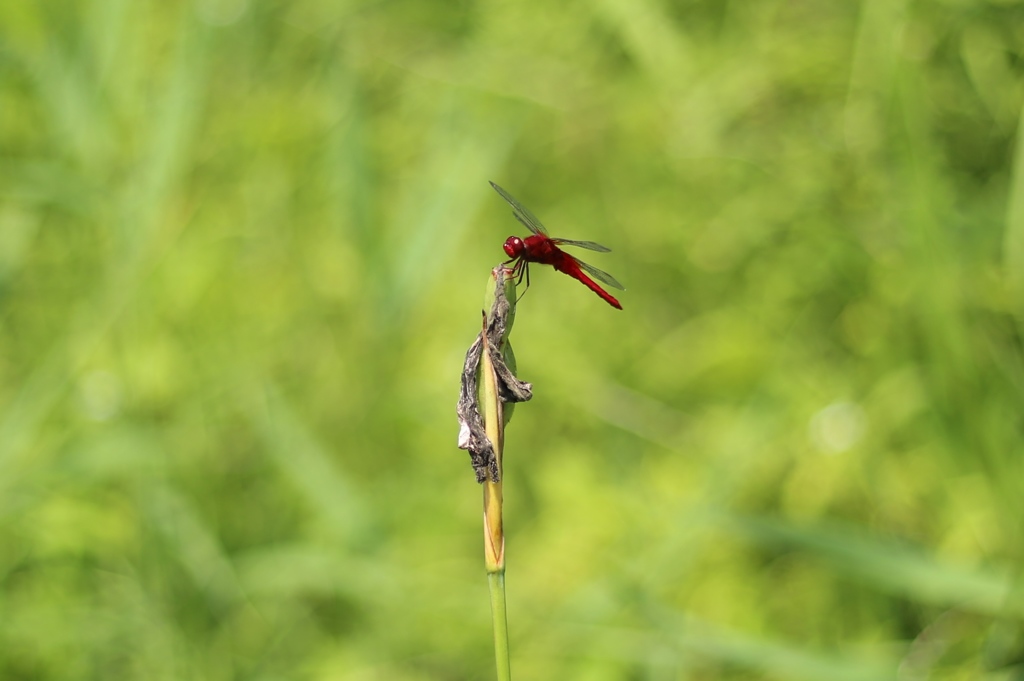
494 537
496 584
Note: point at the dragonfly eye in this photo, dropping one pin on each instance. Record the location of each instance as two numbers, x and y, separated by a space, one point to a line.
513 246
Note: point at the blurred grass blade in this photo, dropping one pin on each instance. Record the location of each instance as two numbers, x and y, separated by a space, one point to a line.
170 137
1013 240
677 642
301 570
891 566
195 544
143 205
470 139
655 42
789 662
309 466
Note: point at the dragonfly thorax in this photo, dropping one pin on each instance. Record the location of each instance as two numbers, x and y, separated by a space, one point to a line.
514 247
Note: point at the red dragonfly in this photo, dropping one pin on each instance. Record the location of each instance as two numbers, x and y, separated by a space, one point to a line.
545 250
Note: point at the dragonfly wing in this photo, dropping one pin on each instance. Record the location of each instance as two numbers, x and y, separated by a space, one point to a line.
600 275
589 245
522 214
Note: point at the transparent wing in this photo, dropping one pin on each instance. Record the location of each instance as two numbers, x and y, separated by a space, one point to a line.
600 275
522 214
589 245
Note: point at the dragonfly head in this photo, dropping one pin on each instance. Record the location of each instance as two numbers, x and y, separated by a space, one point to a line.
514 247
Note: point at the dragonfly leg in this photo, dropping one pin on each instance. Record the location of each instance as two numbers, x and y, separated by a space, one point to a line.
520 270
517 269
524 273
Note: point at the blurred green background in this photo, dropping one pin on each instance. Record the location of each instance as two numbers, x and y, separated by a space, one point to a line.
243 249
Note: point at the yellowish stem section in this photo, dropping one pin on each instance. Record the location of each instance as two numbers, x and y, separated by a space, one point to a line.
494 536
